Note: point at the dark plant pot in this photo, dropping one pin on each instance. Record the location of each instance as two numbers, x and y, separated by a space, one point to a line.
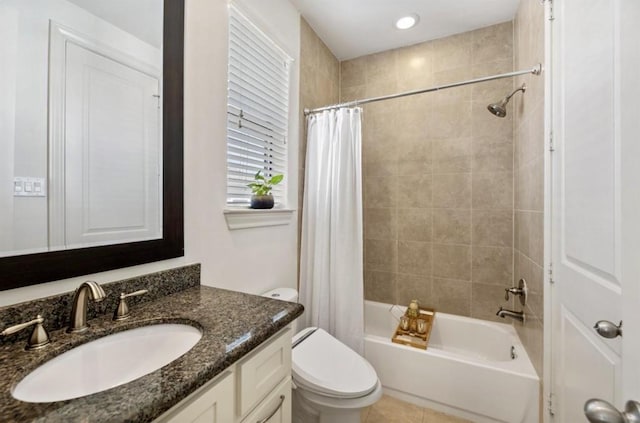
262 201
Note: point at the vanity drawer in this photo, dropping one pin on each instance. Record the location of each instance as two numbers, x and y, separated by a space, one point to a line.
211 403
276 408
262 370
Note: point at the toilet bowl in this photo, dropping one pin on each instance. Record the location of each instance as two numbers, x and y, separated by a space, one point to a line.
332 383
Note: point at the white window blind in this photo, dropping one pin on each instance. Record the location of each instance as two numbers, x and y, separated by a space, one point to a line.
257 110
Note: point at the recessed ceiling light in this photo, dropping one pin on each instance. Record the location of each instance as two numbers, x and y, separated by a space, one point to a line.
407 22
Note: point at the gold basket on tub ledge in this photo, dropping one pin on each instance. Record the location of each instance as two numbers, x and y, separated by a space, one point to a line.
415 326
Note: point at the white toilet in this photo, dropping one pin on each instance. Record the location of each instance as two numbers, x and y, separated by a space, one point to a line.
332 383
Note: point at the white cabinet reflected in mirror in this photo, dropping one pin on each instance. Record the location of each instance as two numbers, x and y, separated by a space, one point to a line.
80 123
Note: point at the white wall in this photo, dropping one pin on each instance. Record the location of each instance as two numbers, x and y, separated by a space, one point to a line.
249 260
8 70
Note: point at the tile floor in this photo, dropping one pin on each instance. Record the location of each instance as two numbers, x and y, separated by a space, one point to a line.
391 410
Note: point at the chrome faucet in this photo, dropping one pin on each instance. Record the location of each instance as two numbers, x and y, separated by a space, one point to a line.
517 315
88 289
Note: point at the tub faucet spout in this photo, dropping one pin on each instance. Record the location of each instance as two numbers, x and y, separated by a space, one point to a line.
517 315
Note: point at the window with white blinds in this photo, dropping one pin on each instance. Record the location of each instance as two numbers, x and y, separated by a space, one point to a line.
257 110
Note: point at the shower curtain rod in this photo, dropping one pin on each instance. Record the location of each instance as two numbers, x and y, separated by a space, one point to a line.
537 70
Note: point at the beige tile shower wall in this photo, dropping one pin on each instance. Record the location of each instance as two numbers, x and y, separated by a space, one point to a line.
438 173
529 174
319 86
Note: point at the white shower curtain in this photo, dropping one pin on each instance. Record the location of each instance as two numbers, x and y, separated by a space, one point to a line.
331 274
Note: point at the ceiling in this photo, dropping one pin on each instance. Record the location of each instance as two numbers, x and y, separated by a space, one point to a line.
140 18
353 28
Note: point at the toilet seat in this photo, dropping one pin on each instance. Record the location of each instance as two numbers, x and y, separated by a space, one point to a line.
323 365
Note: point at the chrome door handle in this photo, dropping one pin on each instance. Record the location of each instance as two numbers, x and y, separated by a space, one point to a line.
609 330
273 413
600 411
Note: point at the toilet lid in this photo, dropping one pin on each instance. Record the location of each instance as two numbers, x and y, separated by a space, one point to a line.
324 365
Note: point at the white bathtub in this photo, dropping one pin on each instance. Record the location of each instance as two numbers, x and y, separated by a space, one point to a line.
467 370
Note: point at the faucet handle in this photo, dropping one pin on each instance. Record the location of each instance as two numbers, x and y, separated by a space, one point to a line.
122 311
521 291
133 294
39 336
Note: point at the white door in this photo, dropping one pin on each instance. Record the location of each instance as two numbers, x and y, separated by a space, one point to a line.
595 203
112 151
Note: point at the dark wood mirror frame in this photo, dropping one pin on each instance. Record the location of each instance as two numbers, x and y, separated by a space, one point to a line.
31 269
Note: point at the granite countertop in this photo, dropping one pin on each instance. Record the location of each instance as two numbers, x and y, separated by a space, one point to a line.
225 318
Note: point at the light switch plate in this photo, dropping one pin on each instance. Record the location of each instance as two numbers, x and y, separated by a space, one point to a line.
24 186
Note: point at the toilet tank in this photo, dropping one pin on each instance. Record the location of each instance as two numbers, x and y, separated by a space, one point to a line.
285 294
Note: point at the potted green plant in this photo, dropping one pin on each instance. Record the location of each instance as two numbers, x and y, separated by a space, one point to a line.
261 188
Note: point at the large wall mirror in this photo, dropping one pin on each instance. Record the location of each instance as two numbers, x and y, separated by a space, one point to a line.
91 136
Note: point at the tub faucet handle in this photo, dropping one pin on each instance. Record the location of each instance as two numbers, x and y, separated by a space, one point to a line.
519 291
513 290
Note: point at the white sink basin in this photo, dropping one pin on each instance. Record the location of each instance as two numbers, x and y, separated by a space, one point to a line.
107 362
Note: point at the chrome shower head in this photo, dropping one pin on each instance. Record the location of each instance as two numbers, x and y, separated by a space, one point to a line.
500 108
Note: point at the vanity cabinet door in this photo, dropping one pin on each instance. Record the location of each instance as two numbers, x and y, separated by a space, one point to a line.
213 403
275 408
262 370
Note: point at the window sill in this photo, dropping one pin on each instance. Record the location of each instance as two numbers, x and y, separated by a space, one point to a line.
245 218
